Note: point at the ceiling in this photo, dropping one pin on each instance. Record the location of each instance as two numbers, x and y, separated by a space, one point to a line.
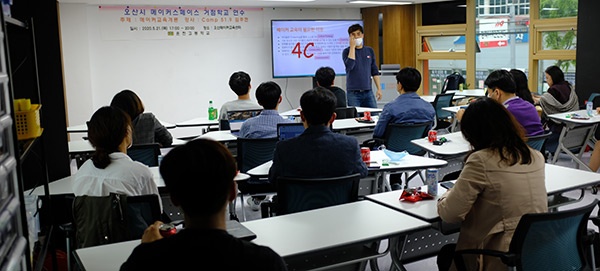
242 3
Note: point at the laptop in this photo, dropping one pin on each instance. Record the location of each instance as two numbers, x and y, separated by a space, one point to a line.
289 130
238 117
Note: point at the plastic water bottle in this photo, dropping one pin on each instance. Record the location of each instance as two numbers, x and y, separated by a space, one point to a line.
212 111
432 181
589 107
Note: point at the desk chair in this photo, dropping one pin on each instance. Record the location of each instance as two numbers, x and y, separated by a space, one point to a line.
443 119
346 112
539 141
146 154
397 138
303 194
545 241
252 152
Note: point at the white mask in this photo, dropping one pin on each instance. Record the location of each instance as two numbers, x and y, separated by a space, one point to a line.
358 41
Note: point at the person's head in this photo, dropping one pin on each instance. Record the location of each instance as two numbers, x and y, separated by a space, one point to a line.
486 123
356 31
500 80
239 82
268 94
325 76
129 102
318 106
408 79
521 83
109 129
201 165
554 75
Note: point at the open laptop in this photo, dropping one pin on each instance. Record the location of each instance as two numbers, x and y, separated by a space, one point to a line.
238 117
289 130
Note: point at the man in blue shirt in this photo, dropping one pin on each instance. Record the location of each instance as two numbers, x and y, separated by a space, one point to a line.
360 67
268 94
408 107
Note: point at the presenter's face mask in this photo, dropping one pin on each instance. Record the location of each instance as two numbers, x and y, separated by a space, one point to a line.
359 41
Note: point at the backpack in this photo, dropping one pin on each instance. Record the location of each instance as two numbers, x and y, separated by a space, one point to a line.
452 81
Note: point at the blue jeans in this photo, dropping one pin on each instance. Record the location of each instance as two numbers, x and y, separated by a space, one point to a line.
361 98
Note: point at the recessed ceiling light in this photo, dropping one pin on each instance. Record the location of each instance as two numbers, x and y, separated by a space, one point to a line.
379 2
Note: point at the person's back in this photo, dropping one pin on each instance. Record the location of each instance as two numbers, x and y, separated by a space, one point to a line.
502 179
406 108
239 82
268 94
146 128
317 152
325 78
110 169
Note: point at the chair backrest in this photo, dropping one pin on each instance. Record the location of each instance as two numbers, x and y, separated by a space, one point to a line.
236 118
441 101
346 112
397 136
537 142
552 241
303 194
252 152
145 153
113 218
593 99
452 81
289 130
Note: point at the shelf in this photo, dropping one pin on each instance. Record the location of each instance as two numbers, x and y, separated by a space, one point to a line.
25 147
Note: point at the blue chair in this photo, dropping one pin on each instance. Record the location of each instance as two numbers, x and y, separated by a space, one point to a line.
443 118
544 241
537 142
398 136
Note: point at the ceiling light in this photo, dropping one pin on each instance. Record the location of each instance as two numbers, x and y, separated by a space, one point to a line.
379 2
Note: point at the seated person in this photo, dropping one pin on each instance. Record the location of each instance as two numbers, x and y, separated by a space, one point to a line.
406 108
268 94
110 169
502 179
146 128
239 82
502 88
522 85
325 77
204 240
560 98
307 155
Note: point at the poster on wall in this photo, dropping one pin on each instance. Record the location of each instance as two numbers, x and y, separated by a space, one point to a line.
179 22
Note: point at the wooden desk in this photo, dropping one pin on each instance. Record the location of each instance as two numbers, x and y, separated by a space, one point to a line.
576 134
303 239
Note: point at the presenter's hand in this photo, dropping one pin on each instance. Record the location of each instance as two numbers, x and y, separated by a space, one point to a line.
352 42
152 233
378 94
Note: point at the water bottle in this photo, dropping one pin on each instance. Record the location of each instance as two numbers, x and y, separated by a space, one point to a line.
212 111
589 107
431 180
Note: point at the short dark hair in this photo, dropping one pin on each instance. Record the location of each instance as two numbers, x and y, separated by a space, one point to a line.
556 74
267 94
487 124
318 105
239 82
355 27
410 78
501 79
129 102
212 168
325 76
106 130
522 86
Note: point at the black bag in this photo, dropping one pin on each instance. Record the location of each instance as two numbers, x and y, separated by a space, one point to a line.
452 81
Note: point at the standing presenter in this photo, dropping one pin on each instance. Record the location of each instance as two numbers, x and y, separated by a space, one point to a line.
360 67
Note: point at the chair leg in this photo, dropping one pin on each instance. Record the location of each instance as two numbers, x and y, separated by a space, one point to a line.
243 209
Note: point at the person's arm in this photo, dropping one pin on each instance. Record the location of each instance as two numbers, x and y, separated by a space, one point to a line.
459 114
378 94
349 63
375 75
352 48
152 233
161 134
595 158
382 123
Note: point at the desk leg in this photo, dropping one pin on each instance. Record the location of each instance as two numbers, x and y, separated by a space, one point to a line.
396 252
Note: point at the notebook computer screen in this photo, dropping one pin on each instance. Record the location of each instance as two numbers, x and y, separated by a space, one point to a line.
237 118
289 130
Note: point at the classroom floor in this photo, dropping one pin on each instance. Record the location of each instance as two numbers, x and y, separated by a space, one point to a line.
430 263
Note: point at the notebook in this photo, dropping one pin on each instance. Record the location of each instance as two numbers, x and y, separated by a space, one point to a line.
289 130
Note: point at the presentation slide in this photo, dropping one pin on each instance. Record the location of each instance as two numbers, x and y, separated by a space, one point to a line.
300 47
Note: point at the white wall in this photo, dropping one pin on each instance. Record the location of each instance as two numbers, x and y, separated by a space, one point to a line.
174 78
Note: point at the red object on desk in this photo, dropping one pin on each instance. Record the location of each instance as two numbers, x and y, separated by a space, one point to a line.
414 195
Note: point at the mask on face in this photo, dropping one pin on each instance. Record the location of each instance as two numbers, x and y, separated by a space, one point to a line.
358 41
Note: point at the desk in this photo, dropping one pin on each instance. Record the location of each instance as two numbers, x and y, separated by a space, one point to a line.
359 110
301 237
469 92
410 162
343 125
452 151
575 135
201 121
82 128
453 110
431 98
84 146
559 179
221 136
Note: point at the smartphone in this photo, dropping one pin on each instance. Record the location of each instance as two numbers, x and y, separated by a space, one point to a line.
447 185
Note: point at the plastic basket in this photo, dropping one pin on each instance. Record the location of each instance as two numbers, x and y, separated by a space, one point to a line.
28 122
